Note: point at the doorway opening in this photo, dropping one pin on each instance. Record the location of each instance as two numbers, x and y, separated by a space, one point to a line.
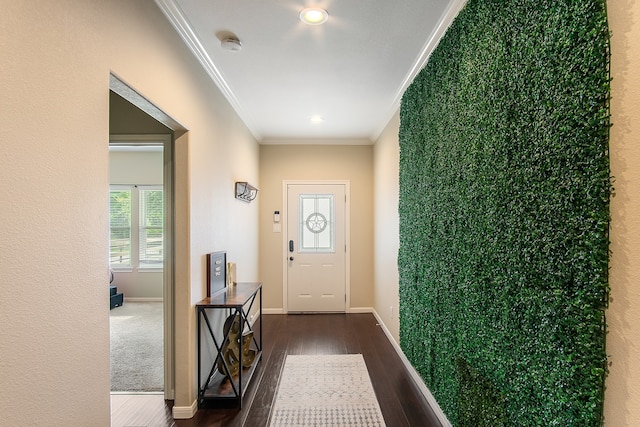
139 201
135 115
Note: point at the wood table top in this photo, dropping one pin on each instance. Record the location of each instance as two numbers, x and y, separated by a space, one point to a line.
232 296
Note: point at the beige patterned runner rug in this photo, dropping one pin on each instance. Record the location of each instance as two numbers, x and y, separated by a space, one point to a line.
325 390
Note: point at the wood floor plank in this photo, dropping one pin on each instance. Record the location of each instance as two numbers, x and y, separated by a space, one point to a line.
401 402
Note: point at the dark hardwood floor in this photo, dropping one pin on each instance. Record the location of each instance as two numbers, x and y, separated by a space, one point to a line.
400 401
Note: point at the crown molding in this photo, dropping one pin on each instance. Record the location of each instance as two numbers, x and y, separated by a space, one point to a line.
176 17
445 21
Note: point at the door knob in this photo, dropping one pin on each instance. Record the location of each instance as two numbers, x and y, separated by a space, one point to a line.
290 258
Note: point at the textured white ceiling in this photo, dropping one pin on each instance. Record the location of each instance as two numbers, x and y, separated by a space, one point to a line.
352 70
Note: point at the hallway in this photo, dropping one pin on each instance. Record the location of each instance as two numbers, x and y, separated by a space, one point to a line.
401 402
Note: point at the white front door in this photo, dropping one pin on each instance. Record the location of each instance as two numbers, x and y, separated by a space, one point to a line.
316 248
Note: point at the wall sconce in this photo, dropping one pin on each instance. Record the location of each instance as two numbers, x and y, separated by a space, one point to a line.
245 191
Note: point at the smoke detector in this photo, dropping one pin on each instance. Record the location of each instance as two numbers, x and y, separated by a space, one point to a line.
231 43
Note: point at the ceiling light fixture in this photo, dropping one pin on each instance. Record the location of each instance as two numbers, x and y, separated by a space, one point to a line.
316 119
314 16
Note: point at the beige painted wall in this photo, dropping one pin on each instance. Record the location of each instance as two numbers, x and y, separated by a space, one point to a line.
386 158
311 162
54 115
622 396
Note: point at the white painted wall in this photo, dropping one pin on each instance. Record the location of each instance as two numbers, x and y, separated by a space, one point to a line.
136 167
54 119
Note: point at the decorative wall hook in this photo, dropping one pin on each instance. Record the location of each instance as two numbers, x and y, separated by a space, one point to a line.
245 191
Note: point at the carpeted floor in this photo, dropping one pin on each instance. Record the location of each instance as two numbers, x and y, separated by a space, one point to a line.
326 390
137 359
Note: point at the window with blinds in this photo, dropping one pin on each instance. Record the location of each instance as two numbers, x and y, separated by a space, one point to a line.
136 218
120 227
151 215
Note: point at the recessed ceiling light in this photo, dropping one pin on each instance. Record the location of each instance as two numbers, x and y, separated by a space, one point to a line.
316 119
314 16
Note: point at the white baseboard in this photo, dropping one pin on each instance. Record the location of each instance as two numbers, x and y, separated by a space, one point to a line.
414 375
358 310
143 299
185 412
349 310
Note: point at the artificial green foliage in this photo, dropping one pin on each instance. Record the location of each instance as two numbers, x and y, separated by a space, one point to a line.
479 402
504 213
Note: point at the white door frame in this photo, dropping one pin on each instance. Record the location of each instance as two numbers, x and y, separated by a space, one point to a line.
347 229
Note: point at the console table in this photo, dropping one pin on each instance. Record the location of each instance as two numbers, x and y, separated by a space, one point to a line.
218 390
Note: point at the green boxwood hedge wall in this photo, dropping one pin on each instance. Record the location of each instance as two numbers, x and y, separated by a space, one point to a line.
504 214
